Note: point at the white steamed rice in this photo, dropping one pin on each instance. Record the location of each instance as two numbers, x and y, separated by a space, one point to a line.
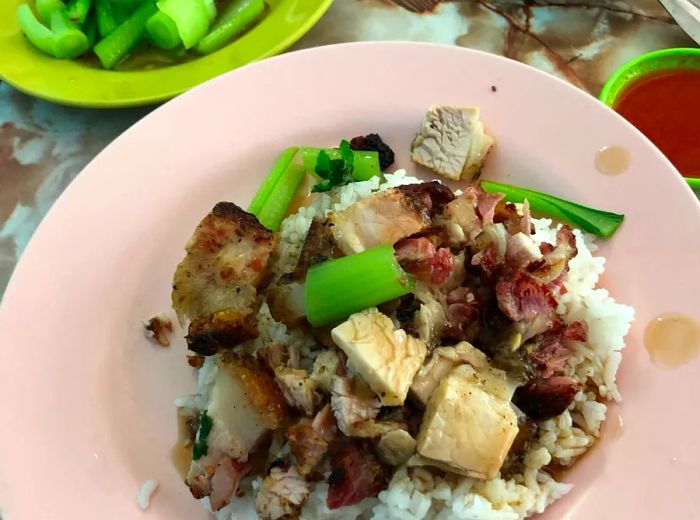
143 497
416 493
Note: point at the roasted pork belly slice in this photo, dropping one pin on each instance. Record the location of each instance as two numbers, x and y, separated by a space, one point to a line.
287 303
318 247
226 260
227 254
245 405
382 218
219 331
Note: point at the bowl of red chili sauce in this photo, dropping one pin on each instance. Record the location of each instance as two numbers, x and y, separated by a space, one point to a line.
659 93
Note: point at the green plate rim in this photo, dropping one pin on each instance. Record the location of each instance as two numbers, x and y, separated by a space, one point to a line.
664 59
145 86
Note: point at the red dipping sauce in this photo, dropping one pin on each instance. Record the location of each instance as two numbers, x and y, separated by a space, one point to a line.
665 106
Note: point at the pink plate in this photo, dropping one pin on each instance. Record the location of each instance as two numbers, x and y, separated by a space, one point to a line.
87 411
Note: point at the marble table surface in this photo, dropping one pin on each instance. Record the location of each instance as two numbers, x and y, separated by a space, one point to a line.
44 146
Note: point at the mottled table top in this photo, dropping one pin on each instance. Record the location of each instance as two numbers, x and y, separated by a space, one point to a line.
44 146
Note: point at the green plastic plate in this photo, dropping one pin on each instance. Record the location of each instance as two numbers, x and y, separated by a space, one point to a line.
83 83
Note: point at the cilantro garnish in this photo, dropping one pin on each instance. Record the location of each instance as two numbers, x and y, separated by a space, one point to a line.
334 172
200 443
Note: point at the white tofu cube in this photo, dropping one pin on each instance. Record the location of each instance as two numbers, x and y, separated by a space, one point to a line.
386 358
466 428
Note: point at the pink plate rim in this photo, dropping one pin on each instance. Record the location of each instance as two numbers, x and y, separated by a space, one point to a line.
88 414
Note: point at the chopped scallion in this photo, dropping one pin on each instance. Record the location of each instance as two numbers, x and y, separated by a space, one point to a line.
200 447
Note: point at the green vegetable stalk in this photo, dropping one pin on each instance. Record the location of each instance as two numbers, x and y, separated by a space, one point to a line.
200 448
90 30
275 208
128 5
598 222
210 6
77 10
106 19
340 287
122 12
124 38
163 32
63 39
69 41
37 33
271 180
191 18
237 16
46 8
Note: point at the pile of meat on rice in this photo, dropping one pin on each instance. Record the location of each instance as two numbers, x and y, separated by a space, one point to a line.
458 400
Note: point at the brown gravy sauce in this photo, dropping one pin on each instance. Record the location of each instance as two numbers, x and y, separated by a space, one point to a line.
672 340
612 160
303 196
612 429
